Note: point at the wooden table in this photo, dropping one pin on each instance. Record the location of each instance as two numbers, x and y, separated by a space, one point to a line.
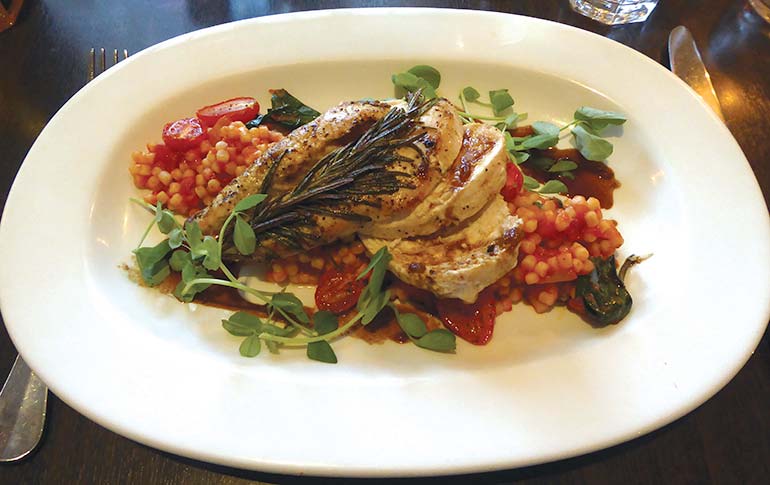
726 440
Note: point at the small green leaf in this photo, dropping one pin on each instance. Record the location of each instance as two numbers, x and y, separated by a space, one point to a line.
211 249
374 306
501 100
249 202
179 259
598 119
440 340
251 346
175 238
322 352
553 187
242 324
519 157
530 183
286 110
541 163
166 222
272 347
590 145
470 94
325 322
545 128
278 331
430 74
152 262
411 83
511 119
411 324
289 303
244 237
563 165
540 142
194 234
160 273
190 271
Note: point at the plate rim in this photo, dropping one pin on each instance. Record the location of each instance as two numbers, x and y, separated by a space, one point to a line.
365 471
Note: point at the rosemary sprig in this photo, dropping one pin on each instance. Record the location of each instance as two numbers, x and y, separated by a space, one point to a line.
342 180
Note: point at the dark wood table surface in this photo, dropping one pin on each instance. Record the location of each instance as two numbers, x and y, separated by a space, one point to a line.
42 64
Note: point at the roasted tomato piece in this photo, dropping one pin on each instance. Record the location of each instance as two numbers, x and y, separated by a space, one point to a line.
473 322
513 182
184 134
338 290
236 109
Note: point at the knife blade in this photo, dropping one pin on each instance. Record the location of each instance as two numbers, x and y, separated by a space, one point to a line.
686 62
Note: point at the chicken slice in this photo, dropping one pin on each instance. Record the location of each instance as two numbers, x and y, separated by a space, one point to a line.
476 175
460 261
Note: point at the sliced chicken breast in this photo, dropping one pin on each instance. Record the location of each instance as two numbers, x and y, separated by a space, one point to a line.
476 175
460 261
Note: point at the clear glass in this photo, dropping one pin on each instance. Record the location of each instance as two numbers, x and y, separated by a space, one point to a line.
762 7
615 12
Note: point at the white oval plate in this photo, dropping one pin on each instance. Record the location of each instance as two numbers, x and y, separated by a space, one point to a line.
547 387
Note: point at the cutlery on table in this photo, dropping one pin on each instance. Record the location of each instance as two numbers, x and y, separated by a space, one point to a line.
24 396
686 62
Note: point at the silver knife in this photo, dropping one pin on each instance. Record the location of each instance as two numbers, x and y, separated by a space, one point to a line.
686 63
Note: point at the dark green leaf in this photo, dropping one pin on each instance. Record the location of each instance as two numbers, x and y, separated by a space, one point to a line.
286 110
520 157
430 74
290 304
373 307
411 83
160 273
325 322
242 324
598 119
249 202
175 238
553 187
190 271
470 94
530 183
179 259
501 100
591 146
541 163
166 222
604 295
251 346
322 352
440 340
411 324
152 262
563 165
244 238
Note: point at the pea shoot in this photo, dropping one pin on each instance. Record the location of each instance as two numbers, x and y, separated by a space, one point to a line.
198 259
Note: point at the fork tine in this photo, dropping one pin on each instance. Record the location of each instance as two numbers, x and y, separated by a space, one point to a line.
125 54
114 56
104 60
91 64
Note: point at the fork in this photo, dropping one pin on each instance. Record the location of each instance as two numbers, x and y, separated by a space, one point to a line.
24 396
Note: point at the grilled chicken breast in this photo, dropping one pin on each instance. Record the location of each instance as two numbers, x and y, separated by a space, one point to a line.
462 260
476 175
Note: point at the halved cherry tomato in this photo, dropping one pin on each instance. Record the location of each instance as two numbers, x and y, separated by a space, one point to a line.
237 109
473 322
338 291
184 134
165 158
513 182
